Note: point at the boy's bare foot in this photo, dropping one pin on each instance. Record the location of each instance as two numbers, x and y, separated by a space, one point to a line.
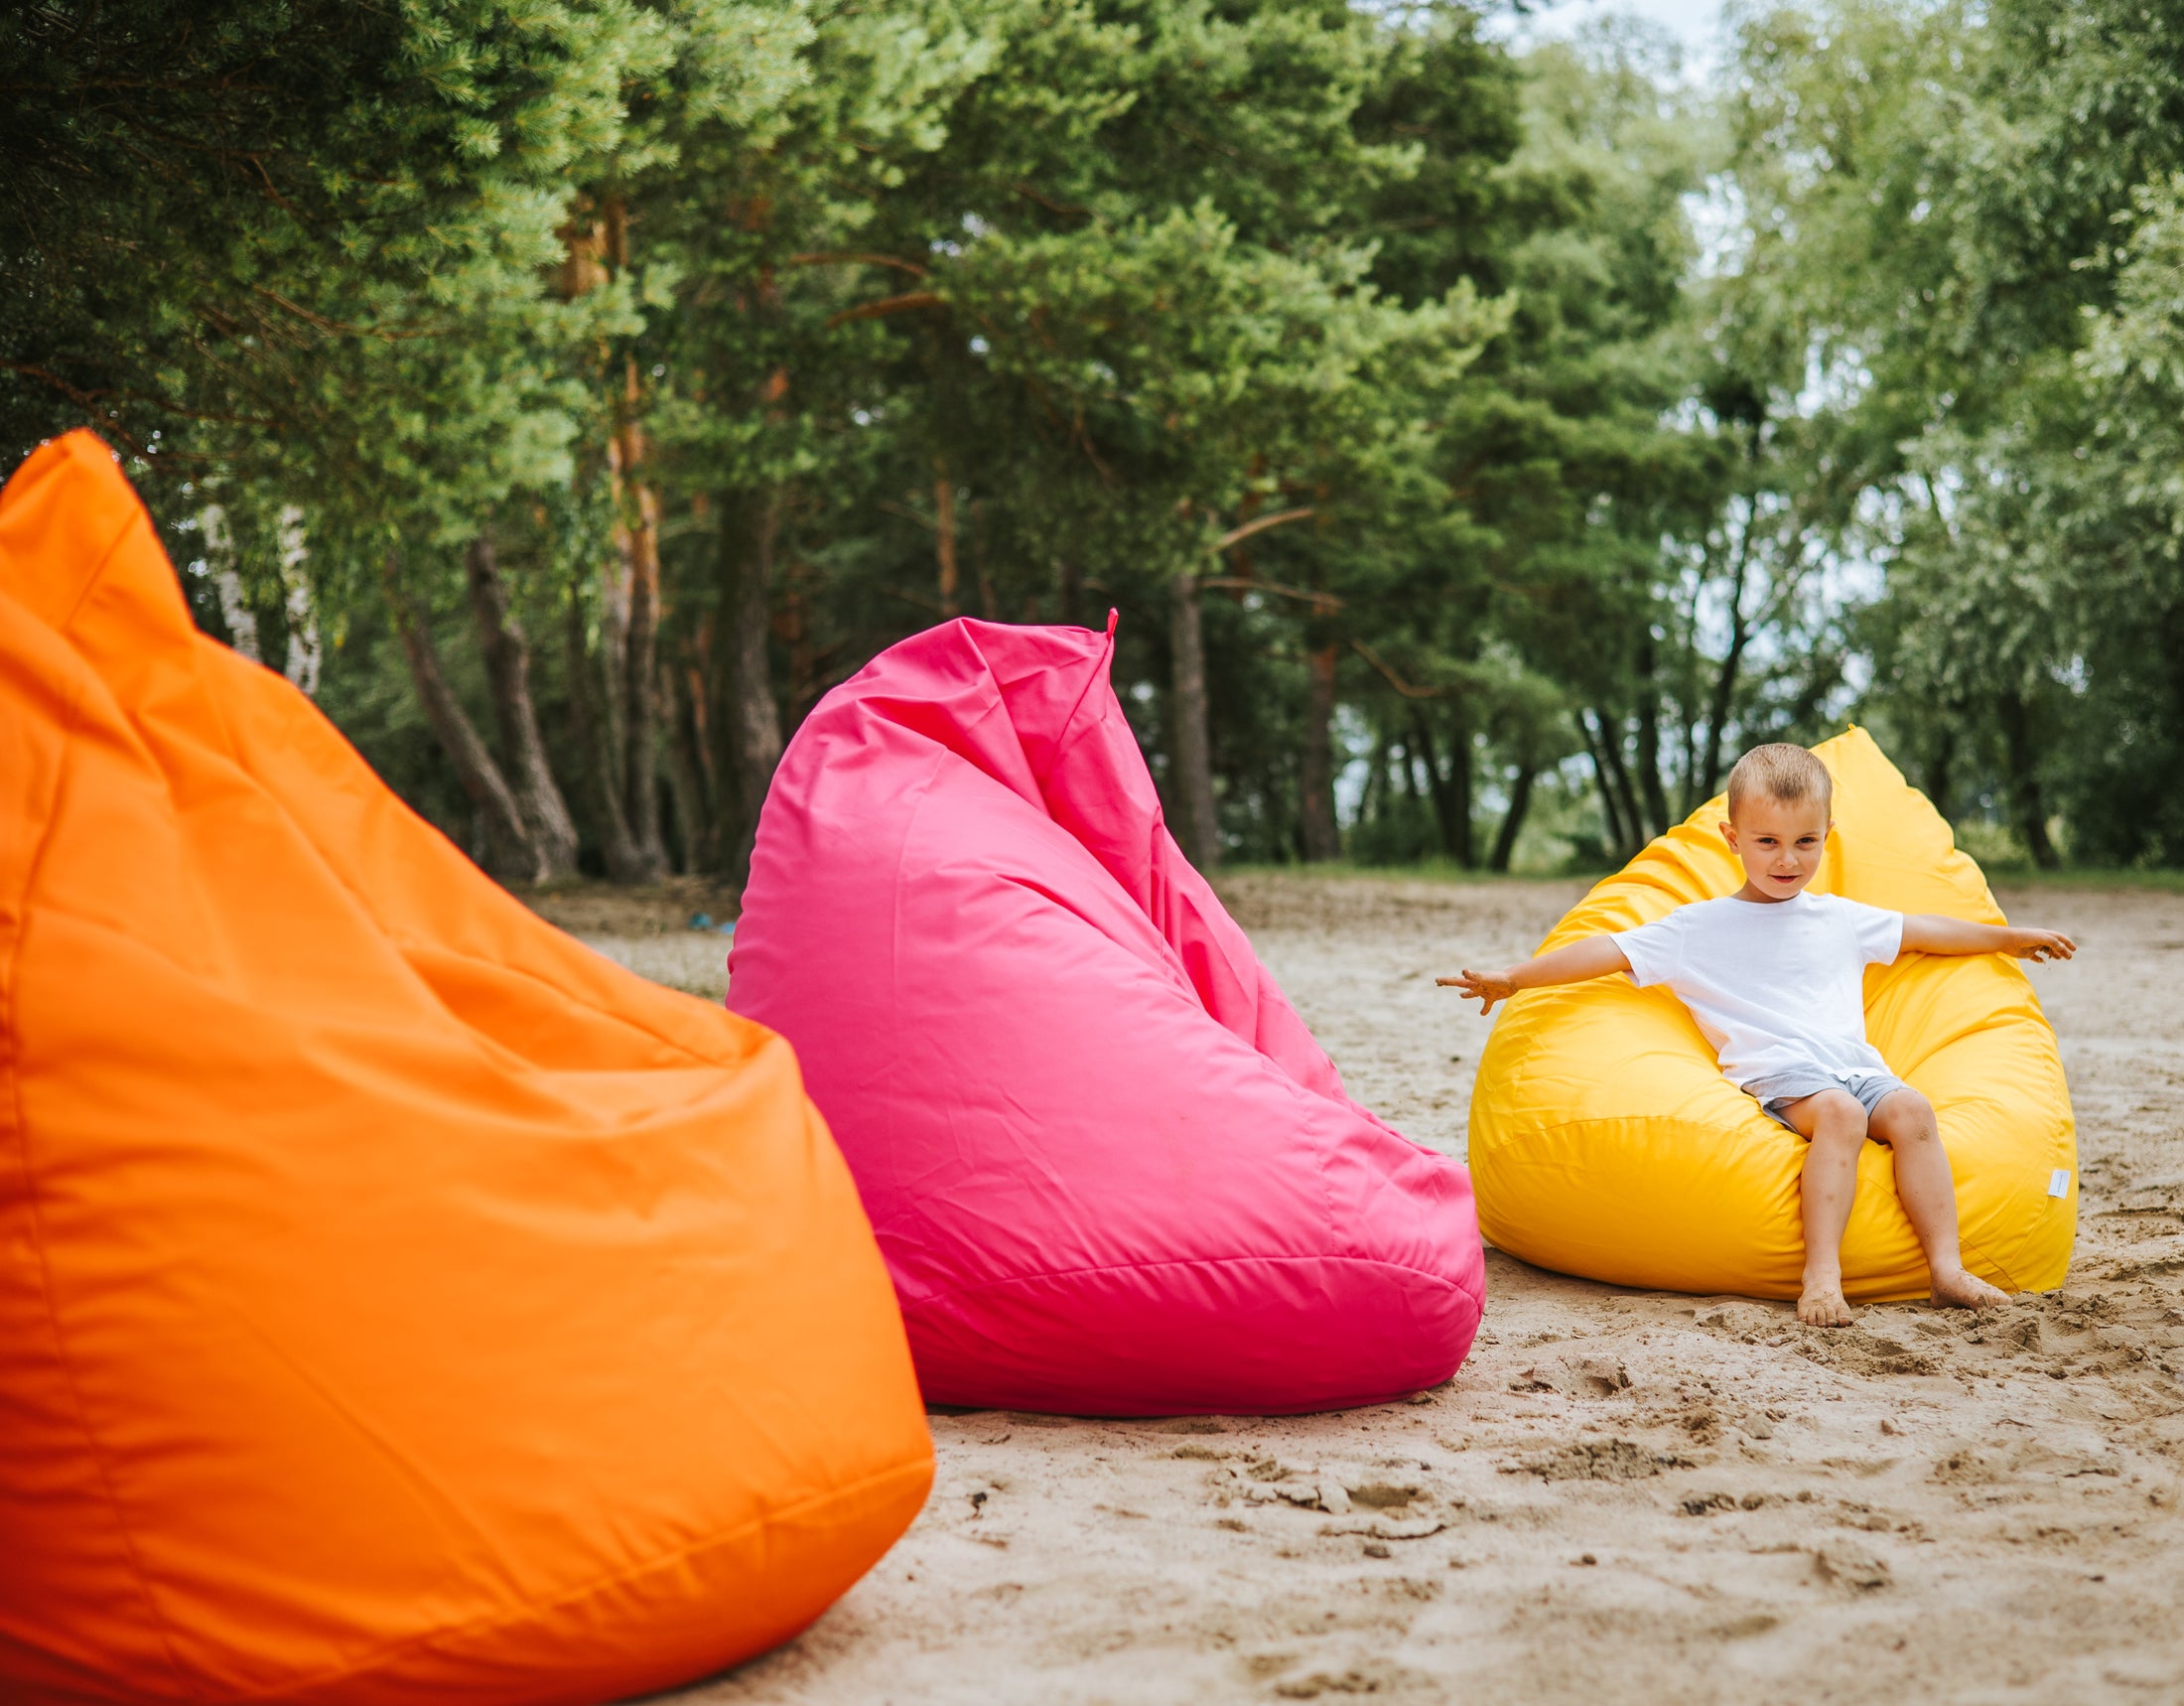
1823 1304
1961 1289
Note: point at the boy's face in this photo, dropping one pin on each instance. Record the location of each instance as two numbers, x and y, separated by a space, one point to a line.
1779 843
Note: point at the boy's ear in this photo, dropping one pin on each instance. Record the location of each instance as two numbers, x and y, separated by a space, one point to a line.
1728 832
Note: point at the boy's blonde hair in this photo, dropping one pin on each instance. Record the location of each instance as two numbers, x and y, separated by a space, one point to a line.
1781 772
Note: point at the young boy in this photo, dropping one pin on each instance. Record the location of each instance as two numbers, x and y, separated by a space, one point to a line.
1775 978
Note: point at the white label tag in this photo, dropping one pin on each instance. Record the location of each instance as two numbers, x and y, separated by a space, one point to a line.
2058 1182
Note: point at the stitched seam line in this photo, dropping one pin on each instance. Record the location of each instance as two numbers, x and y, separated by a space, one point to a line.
1006 1280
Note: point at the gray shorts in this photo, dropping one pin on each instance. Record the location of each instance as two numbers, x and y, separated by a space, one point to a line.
1776 1093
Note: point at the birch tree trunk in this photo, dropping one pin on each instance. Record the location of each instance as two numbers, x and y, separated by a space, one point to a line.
219 554
1198 825
500 637
305 654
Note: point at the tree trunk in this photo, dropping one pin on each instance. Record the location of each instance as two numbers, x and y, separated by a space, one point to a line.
1197 824
1452 799
1459 792
614 666
1451 791
694 816
500 637
638 536
1655 796
805 659
750 525
697 692
1372 802
1725 682
989 602
1603 782
1320 838
595 743
2027 809
1626 798
1512 824
304 653
1940 761
944 536
1069 587
510 854
219 553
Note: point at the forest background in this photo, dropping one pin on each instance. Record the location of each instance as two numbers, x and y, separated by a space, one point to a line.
1481 444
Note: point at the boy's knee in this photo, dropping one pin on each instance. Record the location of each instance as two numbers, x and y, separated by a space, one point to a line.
1904 1116
1839 1116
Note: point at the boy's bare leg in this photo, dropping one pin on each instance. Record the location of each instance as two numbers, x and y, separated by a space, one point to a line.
1832 1124
1904 1121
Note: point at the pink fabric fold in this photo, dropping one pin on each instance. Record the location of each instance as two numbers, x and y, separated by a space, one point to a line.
1111 1171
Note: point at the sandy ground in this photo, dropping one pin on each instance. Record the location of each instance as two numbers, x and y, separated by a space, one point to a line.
1622 1495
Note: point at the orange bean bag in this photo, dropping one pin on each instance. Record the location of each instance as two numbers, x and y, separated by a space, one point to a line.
400 1302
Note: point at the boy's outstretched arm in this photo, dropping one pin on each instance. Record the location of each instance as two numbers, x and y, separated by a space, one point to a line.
1932 932
1596 956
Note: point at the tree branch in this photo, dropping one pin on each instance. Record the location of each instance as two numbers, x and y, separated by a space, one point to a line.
1323 604
859 259
1259 525
1395 681
903 303
1049 203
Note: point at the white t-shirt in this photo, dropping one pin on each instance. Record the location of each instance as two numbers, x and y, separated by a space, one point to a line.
1777 986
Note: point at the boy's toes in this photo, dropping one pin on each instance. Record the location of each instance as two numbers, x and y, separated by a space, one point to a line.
1961 1290
1823 1306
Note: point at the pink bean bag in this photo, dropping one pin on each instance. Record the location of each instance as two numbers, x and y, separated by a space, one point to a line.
1110 1170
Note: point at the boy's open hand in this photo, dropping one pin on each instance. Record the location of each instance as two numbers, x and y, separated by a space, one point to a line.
2043 945
1488 986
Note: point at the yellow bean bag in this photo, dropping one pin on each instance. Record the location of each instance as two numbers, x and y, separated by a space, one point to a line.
1605 1142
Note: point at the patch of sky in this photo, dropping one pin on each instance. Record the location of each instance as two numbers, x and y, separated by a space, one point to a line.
1693 27
1354 745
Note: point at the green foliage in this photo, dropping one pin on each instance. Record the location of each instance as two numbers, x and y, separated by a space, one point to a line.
1525 433
1965 218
